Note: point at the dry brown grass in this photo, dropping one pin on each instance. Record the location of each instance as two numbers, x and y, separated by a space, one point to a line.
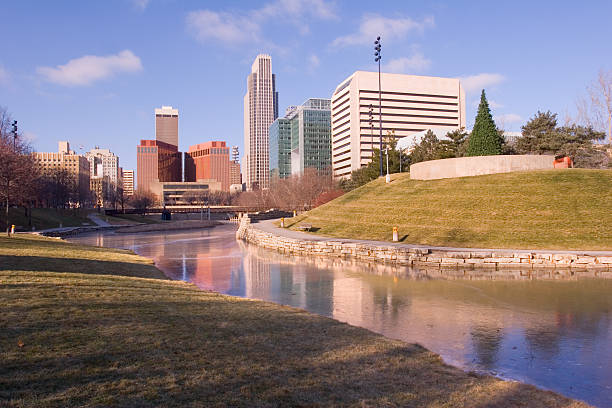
83 339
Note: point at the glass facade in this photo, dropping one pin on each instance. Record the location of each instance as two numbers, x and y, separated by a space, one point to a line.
280 148
302 139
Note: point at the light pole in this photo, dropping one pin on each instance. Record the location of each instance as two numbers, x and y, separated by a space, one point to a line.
377 58
14 136
371 130
388 177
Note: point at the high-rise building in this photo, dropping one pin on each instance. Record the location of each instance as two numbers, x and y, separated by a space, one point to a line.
128 182
208 161
65 159
311 137
280 148
102 162
157 161
260 110
166 125
410 104
302 139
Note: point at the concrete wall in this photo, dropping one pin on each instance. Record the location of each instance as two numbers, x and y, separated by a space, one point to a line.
407 255
478 165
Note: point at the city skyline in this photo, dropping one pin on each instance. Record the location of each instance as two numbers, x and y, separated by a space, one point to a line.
65 87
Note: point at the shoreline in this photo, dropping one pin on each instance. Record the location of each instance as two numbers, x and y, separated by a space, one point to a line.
293 357
267 235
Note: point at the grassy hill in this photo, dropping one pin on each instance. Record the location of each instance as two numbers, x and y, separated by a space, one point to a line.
552 209
83 326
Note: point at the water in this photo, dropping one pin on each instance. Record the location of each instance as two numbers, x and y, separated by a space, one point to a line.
550 330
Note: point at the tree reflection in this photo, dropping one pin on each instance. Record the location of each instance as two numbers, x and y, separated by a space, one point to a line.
487 341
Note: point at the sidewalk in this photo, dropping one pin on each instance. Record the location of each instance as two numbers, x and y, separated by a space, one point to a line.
269 227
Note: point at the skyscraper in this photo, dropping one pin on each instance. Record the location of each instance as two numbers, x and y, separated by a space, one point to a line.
166 125
260 110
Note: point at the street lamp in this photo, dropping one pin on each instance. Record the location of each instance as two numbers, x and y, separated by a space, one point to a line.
377 58
371 130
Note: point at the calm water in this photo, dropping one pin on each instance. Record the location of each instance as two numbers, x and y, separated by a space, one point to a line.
551 330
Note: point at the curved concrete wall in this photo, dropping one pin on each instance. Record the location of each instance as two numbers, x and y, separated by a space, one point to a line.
478 165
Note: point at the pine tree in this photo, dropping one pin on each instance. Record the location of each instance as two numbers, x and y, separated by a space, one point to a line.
484 140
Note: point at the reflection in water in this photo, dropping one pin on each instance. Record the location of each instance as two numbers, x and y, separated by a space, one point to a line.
549 328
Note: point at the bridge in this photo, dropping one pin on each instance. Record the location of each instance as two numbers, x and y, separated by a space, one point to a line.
184 209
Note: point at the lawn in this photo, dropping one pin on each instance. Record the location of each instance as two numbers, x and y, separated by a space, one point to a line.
83 326
556 209
44 218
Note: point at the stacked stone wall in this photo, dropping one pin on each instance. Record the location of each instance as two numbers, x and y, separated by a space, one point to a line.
406 255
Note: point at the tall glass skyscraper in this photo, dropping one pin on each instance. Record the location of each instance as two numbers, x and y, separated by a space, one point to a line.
302 139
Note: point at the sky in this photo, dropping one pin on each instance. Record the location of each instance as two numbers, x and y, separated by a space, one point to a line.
92 72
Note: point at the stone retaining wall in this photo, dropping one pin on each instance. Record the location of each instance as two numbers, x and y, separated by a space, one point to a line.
479 165
406 255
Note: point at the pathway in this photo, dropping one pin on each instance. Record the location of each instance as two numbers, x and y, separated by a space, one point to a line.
268 226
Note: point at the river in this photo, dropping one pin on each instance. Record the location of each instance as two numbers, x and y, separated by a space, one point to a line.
549 329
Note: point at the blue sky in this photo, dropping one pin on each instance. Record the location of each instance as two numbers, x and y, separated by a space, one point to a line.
92 72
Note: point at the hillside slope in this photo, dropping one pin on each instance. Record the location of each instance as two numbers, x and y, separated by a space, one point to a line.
552 209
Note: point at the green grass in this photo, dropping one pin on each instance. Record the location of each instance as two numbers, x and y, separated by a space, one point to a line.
103 334
556 209
44 218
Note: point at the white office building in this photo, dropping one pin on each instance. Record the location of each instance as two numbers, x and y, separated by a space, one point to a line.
103 162
410 104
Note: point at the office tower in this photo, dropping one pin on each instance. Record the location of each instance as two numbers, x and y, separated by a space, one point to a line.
260 110
128 182
65 159
410 104
102 162
157 162
208 161
280 148
311 137
302 139
166 125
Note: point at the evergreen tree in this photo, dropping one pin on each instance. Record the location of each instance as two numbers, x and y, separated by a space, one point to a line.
485 139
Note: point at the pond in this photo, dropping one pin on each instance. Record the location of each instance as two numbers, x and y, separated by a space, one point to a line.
553 330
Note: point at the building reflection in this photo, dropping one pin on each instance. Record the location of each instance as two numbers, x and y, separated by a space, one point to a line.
546 327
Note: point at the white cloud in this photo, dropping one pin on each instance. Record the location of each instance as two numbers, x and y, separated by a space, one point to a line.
406 65
494 104
245 27
508 118
90 68
313 62
140 4
390 29
481 81
4 76
223 27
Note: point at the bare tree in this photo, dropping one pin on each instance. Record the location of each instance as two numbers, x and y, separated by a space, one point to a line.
595 110
142 201
198 197
17 167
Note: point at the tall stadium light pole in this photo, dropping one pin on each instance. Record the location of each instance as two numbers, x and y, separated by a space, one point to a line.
371 129
377 58
14 136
